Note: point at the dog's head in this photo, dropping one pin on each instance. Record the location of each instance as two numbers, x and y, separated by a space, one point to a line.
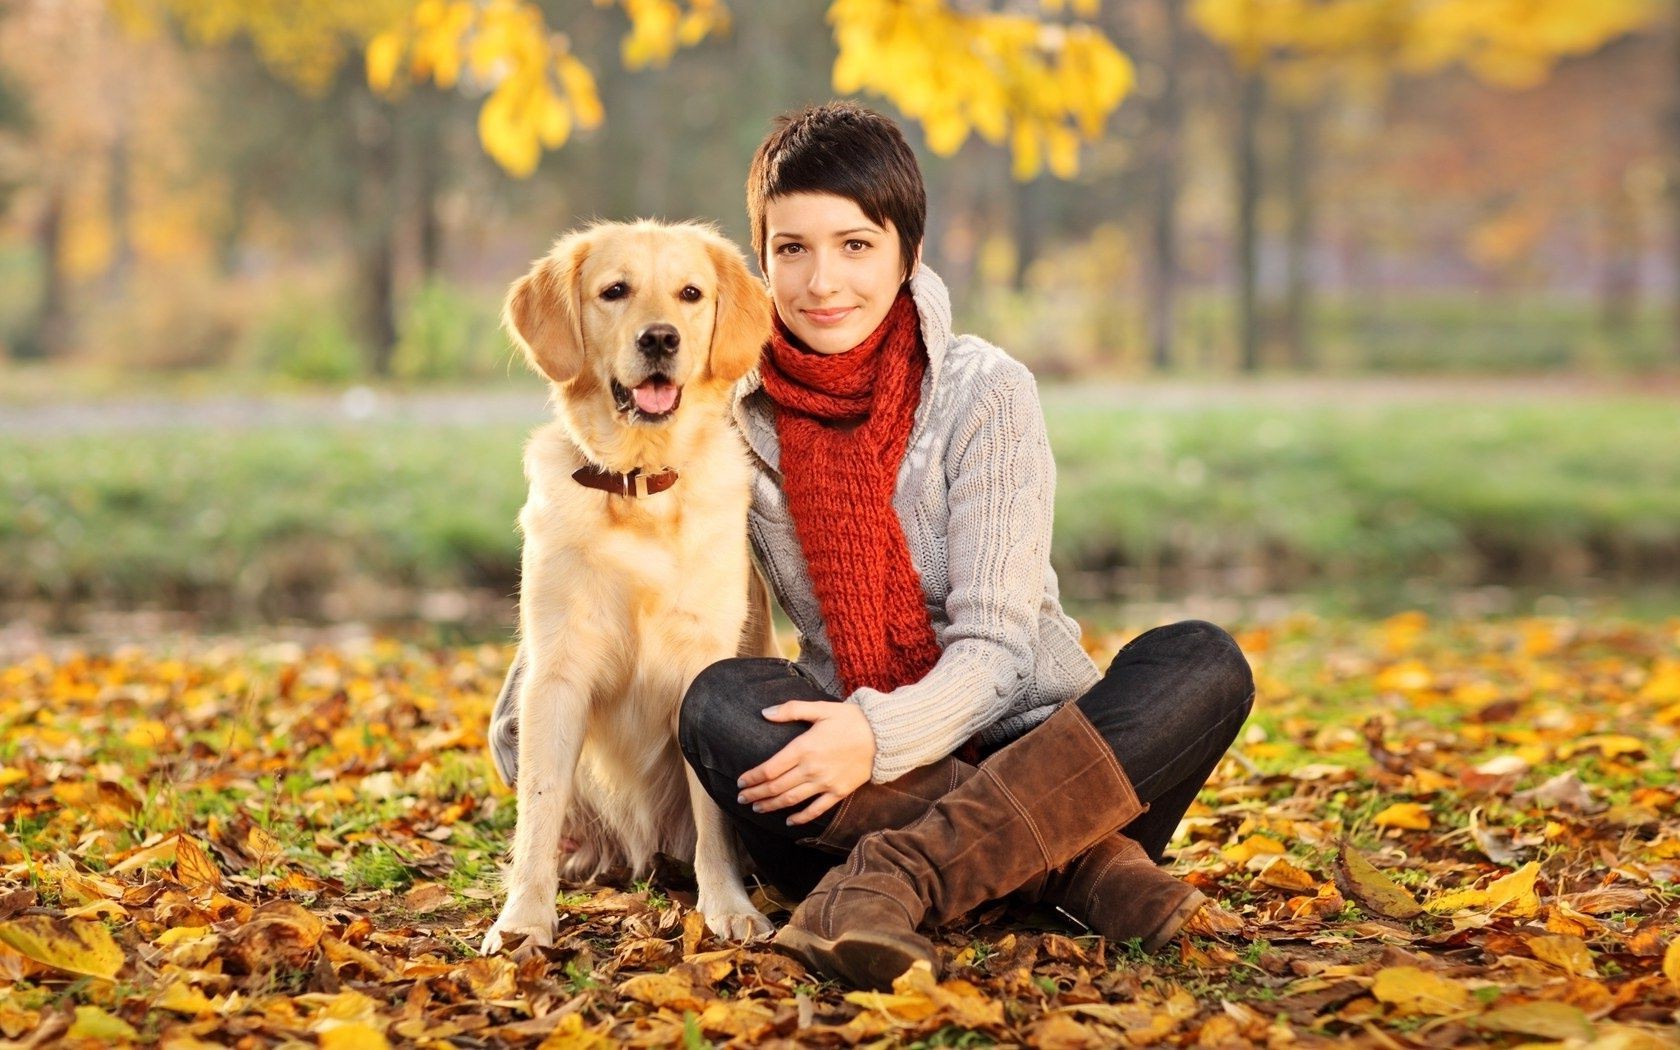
628 314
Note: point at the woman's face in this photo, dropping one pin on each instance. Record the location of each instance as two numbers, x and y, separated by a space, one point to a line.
833 273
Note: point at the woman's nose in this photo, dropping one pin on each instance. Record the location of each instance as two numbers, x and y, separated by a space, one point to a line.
823 273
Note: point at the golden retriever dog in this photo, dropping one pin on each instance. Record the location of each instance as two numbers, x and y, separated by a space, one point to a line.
635 569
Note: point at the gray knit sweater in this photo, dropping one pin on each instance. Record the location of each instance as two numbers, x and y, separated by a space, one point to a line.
975 494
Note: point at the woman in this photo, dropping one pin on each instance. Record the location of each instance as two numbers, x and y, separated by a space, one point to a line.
943 729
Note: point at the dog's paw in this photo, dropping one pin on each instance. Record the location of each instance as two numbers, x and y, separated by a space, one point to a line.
747 926
538 930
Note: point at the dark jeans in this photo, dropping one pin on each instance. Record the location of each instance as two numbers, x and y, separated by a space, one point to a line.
1169 705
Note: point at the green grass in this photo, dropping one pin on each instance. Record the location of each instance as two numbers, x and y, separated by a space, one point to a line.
267 522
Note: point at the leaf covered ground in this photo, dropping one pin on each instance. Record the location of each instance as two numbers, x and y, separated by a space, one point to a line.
1434 834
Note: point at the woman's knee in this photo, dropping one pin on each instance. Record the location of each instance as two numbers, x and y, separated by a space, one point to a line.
1214 657
722 712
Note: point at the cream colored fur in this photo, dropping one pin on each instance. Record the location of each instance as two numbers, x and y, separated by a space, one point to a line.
624 600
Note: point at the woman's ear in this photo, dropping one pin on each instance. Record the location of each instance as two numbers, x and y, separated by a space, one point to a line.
742 323
543 311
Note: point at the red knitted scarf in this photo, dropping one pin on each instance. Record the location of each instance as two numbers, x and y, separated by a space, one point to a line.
844 422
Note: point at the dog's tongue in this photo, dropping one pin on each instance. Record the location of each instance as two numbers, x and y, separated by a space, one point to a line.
655 397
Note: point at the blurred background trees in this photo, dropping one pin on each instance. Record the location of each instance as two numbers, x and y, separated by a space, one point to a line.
332 190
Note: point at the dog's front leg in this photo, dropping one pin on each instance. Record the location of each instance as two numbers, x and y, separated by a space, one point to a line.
723 901
552 711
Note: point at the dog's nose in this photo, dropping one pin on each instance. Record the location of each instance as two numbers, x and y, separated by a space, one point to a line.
657 340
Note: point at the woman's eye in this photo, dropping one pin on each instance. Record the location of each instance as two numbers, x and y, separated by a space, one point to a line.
788 249
615 290
690 294
857 246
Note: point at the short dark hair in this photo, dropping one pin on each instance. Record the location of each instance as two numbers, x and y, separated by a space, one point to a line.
850 151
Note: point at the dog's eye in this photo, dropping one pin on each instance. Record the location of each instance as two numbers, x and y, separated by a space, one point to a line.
690 294
615 290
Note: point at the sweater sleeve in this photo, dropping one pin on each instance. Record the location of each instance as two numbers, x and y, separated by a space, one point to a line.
1002 481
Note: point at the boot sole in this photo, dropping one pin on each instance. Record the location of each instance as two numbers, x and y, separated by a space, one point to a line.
863 959
1174 921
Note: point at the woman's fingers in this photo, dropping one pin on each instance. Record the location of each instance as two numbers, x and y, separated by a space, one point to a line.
770 789
800 711
792 796
776 765
820 805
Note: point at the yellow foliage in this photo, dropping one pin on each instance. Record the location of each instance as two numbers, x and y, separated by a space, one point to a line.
1041 86
1511 43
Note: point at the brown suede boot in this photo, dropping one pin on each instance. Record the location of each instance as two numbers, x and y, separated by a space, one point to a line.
1113 888
1031 808
1117 891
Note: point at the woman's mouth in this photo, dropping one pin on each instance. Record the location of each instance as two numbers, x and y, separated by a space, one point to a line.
826 318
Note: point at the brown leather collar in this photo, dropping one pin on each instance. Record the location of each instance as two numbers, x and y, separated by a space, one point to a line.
633 485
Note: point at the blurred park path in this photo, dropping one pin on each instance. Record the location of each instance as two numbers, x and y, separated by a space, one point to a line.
466 407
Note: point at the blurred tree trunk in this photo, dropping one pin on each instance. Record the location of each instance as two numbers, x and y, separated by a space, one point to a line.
1167 136
428 189
1303 123
1029 228
1674 174
119 199
1619 278
374 229
1251 101
49 331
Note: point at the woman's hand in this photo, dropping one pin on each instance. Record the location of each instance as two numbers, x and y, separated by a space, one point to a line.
822 765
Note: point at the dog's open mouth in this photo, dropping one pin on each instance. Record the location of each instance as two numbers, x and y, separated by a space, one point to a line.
654 399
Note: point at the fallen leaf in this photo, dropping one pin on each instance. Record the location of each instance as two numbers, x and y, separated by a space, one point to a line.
1567 952
93 1023
426 897
1411 990
1411 816
1513 893
1548 1019
64 944
193 867
1279 874
1671 963
1375 892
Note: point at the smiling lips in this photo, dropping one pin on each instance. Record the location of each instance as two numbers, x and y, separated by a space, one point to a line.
828 318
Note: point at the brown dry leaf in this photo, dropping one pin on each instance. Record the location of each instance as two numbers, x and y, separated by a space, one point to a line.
73 946
279 934
193 867
1565 951
1058 1031
666 989
1411 990
1375 892
1279 874
694 929
426 897
1548 1019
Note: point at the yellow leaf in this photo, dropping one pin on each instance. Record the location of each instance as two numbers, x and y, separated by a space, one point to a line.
1551 1020
193 867
383 53
170 938
1282 875
64 944
1671 963
93 1023
183 998
1413 991
665 989
1514 894
1372 889
353 1037
1254 845
1565 951
1413 816
570 1034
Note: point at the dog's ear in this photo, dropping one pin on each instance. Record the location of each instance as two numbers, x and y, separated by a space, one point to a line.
543 312
742 324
